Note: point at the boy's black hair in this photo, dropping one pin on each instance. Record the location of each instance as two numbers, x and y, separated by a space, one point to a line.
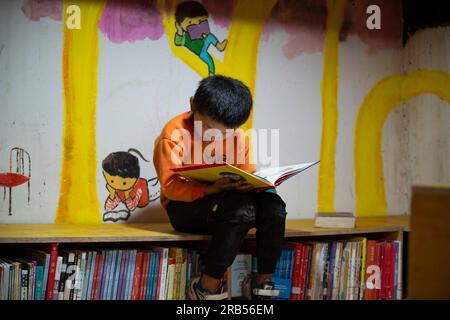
223 99
122 164
189 9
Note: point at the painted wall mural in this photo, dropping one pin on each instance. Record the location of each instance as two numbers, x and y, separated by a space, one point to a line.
226 37
193 33
387 95
126 188
131 21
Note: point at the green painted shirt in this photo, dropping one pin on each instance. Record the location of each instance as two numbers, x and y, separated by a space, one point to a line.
185 40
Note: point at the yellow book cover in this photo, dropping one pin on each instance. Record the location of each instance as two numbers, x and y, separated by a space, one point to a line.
183 275
363 268
263 179
172 288
178 267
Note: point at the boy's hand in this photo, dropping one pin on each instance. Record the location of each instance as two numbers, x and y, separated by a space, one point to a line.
225 184
245 187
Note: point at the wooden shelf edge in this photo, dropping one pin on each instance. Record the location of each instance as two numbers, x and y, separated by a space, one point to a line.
163 232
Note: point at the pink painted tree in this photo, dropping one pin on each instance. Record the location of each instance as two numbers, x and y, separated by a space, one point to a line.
34 10
303 20
125 20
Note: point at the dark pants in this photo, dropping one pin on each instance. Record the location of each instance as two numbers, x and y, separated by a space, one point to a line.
228 216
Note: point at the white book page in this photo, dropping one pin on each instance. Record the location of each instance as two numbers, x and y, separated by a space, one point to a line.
273 174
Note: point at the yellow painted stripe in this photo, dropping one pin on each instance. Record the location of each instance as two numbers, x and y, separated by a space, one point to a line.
385 96
329 90
241 55
78 199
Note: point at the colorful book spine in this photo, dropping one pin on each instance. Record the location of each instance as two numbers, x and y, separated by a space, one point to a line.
399 270
171 278
97 274
90 282
86 276
137 277
183 281
112 274
306 279
151 263
97 287
130 275
325 272
52 270
39 282
122 275
68 275
391 271
164 252
155 276
144 277
81 276
105 273
116 273
337 270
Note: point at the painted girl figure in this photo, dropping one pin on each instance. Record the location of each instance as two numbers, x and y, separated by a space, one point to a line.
122 174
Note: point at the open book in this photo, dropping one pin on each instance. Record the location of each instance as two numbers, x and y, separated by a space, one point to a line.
263 179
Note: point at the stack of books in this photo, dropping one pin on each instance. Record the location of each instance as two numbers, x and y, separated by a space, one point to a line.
335 220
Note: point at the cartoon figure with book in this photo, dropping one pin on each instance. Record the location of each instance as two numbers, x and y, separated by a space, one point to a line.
191 22
122 174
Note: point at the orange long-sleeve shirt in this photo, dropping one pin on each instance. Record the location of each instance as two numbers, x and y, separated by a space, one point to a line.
235 150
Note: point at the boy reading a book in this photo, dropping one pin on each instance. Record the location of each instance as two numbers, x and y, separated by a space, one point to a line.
228 208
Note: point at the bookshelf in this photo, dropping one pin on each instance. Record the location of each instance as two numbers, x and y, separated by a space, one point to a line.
142 236
157 232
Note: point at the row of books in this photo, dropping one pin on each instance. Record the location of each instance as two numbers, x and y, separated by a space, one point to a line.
334 270
125 274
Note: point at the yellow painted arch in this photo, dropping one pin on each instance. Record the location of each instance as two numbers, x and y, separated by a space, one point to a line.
385 96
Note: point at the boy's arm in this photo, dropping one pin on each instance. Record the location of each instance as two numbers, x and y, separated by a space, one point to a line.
172 185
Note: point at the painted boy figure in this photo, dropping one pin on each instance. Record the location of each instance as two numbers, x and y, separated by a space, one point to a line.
191 22
226 209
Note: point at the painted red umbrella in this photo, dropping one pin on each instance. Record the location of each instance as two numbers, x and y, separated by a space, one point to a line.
10 179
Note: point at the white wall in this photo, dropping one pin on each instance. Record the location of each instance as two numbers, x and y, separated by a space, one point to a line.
142 85
423 124
31 109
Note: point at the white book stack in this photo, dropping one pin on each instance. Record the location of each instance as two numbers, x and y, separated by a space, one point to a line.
335 220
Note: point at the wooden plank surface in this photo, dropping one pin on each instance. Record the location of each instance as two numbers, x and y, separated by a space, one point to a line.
134 232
